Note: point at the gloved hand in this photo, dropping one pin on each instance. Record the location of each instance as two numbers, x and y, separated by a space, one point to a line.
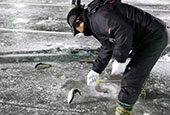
92 77
119 68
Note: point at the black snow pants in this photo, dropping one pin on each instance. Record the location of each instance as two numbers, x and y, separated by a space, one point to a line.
140 67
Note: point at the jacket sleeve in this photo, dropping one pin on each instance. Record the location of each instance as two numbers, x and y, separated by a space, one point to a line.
103 58
122 33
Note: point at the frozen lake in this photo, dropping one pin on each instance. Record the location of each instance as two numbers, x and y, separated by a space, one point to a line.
36 31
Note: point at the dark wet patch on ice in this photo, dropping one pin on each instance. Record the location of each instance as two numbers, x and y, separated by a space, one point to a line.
56 55
156 94
69 84
43 58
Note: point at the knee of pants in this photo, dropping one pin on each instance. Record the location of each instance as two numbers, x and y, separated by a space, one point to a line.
129 95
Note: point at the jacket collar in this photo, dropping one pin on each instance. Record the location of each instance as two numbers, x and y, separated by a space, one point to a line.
86 20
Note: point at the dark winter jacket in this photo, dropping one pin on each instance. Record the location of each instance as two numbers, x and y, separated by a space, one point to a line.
119 28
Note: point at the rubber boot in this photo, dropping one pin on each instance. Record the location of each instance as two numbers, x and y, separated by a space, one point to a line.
123 109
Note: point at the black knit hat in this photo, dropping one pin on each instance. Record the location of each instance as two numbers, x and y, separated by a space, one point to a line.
73 15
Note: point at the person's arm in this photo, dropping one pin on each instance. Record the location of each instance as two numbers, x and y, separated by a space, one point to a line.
101 61
122 33
117 27
103 58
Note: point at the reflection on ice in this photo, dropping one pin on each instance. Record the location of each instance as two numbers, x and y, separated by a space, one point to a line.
20 5
21 20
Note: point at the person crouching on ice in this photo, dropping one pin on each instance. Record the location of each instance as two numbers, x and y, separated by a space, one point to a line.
121 29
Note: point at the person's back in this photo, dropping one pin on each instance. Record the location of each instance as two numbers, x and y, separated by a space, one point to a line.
142 22
140 25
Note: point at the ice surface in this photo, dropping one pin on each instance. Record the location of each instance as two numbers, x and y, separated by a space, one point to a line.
27 91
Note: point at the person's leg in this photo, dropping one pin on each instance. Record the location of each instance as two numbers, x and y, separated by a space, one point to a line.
138 70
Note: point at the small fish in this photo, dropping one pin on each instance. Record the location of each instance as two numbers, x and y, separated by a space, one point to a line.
42 66
72 94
